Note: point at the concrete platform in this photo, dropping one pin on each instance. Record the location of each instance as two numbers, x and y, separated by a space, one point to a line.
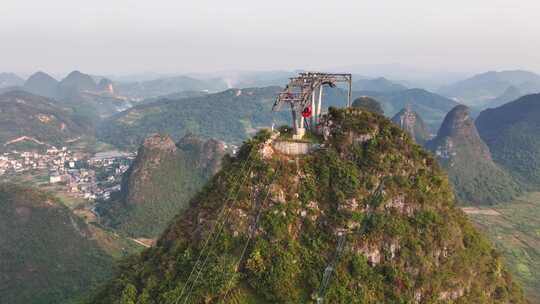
293 147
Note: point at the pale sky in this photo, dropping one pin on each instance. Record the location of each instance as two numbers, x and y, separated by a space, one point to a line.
179 36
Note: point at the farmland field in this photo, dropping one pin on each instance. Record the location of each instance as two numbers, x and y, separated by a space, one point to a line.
515 229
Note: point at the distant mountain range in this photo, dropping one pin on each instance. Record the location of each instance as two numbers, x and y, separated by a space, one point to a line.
512 132
430 106
10 80
90 101
230 116
510 94
377 85
171 85
31 120
497 87
476 178
42 84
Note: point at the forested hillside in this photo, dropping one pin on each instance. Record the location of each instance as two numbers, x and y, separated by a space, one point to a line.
160 183
229 116
461 151
48 255
37 121
368 219
512 132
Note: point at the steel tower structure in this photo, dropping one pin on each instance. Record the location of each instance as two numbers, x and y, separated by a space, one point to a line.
304 94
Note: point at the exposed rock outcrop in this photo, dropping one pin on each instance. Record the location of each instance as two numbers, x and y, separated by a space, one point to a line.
161 181
412 123
106 86
368 219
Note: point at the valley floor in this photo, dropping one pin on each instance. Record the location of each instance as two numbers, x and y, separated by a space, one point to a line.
515 229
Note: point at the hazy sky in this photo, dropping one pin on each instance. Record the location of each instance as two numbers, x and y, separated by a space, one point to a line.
179 36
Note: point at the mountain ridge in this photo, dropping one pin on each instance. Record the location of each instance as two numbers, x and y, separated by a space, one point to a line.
160 183
512 133
333 224
459 148
26 115
480 89
412 123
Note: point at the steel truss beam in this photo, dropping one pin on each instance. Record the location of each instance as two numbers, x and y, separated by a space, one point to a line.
301 92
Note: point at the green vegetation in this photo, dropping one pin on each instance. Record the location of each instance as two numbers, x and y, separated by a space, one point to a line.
430 106
48 255
369 104
79 94
480 182
476 178
24 114
515 230
222 116
42 84
160 183
411 122
512 133
281 218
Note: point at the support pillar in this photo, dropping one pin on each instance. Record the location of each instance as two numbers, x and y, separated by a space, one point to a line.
313 117
350 94
319 105
300 131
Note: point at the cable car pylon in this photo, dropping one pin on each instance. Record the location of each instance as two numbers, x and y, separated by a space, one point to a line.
304 94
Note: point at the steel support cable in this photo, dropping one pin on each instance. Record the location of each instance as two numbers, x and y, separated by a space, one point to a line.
216 225
229 196
226 213
330 268
340 245
252 232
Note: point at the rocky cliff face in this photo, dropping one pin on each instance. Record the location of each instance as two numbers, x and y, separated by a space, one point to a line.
106 86
459 148
161 181
154 154
206 155
458 128
412 123
370 218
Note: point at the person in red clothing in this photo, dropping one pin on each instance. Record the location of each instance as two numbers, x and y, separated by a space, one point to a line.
306 113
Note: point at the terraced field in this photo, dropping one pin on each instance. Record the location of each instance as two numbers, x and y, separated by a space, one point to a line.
515 230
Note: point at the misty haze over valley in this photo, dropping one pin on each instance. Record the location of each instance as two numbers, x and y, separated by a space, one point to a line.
281 152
